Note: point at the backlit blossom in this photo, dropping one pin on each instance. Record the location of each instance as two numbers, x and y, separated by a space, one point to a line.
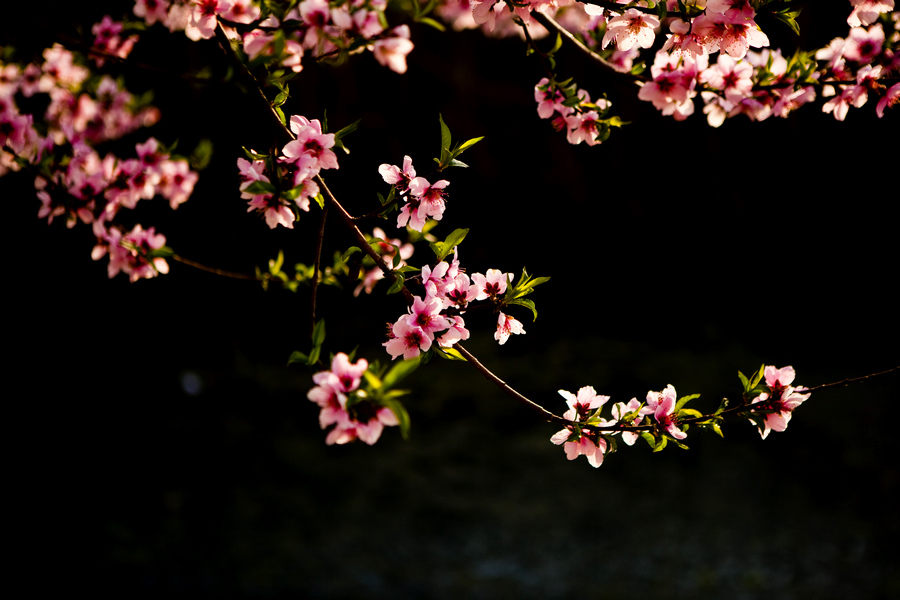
662 405
630 28
782 398
506 326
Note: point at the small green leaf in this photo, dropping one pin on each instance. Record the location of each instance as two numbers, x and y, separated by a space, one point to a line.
297 357
684 400
318 335
399 372
349 252
445 137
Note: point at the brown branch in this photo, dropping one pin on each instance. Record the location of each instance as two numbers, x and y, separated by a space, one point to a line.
550 24
549 416
320 237
214 270
846 382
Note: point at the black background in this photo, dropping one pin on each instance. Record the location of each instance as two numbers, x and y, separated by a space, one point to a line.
678 254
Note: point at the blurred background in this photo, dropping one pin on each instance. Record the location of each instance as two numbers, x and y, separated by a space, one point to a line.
161 445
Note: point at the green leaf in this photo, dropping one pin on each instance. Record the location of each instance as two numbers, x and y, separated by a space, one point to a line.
318 335
399 372
201 155
298 357
443 249
684 400
788 17
402 416
260 187
449 353
431 23
445 138
349 252
527 304
744 381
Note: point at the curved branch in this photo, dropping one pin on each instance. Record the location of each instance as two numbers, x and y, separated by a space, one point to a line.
549 416
550 24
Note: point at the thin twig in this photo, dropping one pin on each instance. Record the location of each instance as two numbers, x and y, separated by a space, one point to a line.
320 236
221 272
549 416
845 382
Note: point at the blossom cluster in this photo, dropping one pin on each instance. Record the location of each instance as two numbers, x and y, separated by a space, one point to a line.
311 26
278 188
437 317
777 405
420 199
346 406
756 83
593 436
73 181
394 252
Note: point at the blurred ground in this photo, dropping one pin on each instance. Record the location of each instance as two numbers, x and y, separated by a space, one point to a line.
161 446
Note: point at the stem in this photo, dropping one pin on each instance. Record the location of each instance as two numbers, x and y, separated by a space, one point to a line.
549 416
550 24
315 281
361 239
845 382
221 272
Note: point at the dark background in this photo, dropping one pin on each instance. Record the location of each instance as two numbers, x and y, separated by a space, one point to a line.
158 443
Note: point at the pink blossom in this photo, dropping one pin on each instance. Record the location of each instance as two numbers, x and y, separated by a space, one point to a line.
730 76
311 150
407 340
425 315
151 10
204 18
864 46
391 52
630 28
506 326
715 31
582 405
430 197
890 99
491 285
663 406
131 253
782 399
398 177
619 410
867 11
577 444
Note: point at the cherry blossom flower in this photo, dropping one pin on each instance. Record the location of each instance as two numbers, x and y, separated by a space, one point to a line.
491 285
151 10
730 76
782 397
630 28
311 150
130 253
506 326
578 443
582 405
662 405
716 31
398 177
863 46
620 409
407 340
425 315
430 197
891 98
391 52
867 11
